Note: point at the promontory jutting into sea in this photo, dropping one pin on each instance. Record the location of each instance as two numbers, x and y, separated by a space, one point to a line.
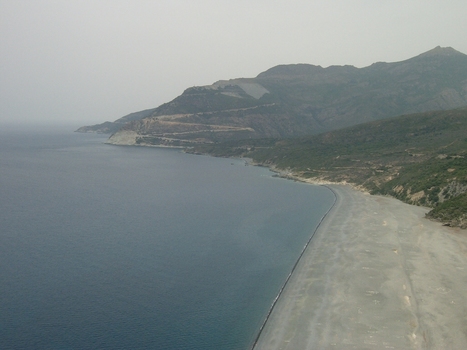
379 127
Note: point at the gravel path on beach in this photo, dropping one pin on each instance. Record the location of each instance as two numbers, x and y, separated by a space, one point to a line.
377 275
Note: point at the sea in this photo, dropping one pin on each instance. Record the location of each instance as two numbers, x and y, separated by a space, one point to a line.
114 247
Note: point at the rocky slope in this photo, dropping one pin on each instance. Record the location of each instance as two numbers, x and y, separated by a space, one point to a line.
112 127
296 100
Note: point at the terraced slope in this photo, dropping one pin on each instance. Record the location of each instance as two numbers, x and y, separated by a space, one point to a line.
301 99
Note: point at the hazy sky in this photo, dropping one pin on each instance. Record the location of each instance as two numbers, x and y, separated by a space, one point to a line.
90 61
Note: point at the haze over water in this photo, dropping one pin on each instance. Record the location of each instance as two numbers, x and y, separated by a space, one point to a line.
105 247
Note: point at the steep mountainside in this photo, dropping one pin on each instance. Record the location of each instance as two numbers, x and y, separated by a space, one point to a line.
296 100
420 159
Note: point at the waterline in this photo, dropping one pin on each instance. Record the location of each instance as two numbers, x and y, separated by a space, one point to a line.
276 299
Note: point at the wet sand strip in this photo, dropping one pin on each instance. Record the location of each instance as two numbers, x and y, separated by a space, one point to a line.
293 269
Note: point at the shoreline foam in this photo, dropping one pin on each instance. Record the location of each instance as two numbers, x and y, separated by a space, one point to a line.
293 269
377 274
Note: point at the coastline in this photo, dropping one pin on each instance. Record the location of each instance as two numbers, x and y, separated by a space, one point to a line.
284 285
376 274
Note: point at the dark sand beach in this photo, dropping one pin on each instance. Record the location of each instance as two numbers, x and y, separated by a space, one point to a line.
377 275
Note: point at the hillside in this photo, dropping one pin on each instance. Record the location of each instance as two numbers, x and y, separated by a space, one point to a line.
112 127
297 100
420 159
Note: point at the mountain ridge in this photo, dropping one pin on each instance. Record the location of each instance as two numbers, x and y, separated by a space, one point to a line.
300 99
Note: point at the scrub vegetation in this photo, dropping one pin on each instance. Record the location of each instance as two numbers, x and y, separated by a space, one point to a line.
420 159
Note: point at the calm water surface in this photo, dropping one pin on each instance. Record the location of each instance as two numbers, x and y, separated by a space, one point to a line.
106 247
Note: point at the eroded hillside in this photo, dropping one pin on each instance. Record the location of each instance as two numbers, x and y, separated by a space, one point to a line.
298 100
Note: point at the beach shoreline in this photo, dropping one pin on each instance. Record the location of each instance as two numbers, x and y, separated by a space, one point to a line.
376 274
284 285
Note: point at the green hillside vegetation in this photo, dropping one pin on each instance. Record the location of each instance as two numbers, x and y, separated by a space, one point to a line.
420 159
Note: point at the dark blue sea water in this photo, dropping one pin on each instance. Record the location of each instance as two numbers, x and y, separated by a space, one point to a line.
106 247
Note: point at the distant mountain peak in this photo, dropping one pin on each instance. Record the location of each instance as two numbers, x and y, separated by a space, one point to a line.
440 51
